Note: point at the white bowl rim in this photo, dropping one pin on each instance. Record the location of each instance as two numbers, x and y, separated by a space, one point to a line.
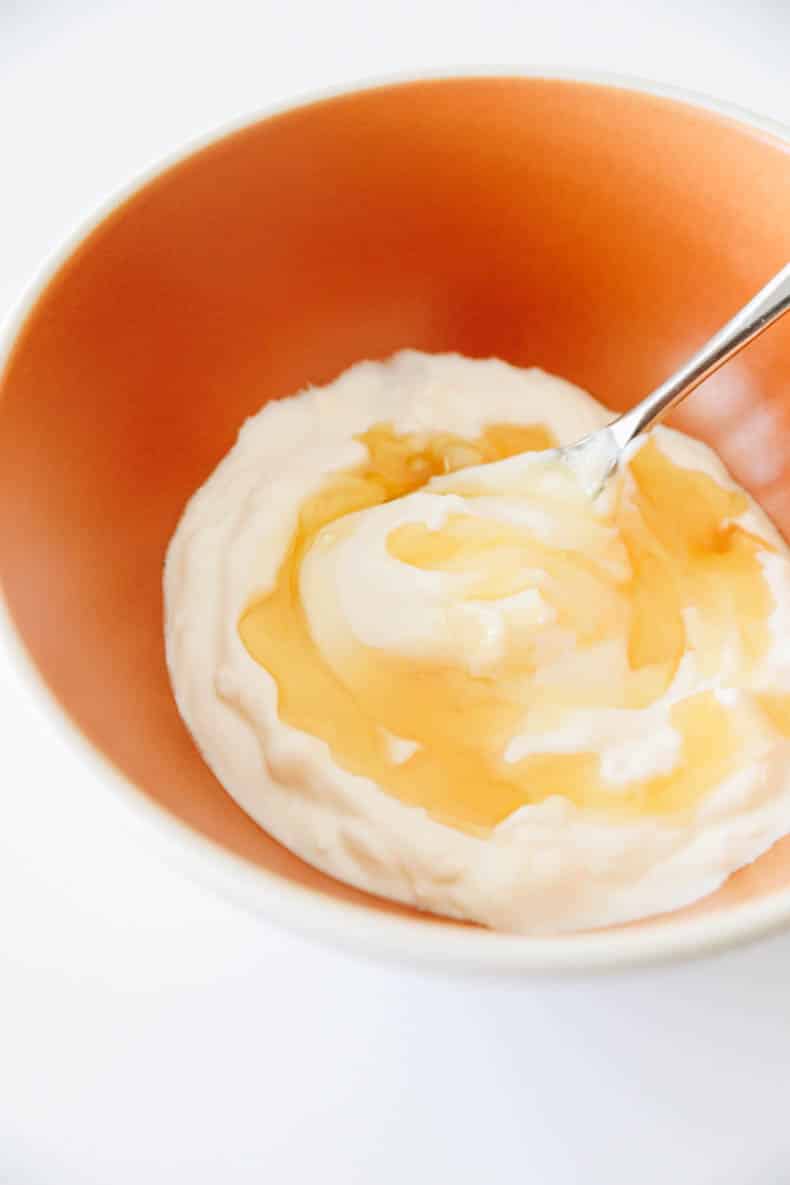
310 912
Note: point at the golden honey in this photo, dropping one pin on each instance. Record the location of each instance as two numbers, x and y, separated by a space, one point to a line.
676 545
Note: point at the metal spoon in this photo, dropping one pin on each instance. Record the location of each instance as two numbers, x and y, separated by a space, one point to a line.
596 457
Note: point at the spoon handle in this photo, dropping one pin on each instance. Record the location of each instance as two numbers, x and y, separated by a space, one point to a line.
762 310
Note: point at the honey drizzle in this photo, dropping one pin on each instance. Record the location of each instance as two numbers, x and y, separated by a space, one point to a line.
684 548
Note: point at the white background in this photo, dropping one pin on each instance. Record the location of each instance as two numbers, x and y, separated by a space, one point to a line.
150 1033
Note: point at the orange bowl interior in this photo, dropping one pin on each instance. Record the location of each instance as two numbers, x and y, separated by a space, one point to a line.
597 232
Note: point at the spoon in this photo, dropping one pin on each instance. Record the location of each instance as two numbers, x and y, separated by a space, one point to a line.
596 457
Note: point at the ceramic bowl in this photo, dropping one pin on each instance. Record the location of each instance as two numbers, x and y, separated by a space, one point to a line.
597 229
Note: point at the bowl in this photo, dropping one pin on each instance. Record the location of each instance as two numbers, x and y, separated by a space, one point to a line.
596 229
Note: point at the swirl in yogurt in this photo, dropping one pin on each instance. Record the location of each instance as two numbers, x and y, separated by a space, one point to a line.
513 639
425 660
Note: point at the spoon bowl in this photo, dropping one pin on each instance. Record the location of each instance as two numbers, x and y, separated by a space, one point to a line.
597 230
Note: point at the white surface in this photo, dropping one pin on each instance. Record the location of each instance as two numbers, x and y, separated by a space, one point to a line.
149 1032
